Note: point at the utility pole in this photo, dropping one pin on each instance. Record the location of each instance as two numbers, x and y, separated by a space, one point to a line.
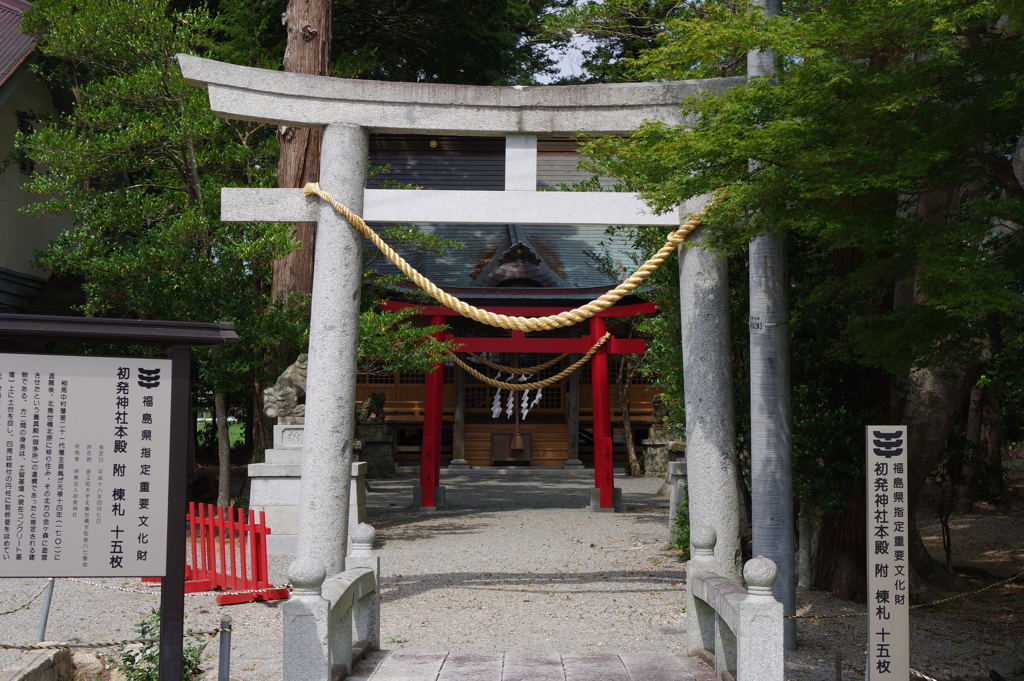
771 445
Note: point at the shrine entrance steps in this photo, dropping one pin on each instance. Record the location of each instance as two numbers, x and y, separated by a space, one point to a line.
422 666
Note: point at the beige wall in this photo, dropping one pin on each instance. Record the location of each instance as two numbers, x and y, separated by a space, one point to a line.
21 235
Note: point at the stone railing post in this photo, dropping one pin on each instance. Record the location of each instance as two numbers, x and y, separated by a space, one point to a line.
366 612
357 495
760 637
700 617
677 492
306 613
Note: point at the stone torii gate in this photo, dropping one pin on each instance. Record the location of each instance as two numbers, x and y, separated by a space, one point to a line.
348 111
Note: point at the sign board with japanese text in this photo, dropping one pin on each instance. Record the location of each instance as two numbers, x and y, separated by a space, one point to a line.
888 563
86 465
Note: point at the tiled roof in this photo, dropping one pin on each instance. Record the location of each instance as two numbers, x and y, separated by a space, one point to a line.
15 46
560 247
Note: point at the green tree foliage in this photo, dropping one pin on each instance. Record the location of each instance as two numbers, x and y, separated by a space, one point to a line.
480 42
139 161
887 133
876 107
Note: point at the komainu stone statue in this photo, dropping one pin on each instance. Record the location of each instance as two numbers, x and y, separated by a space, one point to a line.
286 400
371 411
377 447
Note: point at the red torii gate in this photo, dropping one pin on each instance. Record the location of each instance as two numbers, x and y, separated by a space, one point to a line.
430 462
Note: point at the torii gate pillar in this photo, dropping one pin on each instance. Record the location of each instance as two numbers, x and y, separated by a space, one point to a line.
333 343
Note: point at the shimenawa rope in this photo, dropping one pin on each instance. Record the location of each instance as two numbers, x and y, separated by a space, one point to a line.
519 387
563 319
516 370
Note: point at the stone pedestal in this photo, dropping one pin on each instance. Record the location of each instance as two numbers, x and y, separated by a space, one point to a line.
439 499
276 488
573 465
595 501
458 464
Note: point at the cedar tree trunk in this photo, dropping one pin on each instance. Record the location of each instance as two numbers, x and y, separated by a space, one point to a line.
308 23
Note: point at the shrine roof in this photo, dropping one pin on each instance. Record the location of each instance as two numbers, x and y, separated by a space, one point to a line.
567 251
15 46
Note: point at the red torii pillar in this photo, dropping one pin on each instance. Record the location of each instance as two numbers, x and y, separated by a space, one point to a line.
430 459
602 498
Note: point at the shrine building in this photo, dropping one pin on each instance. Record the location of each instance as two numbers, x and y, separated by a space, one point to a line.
525 270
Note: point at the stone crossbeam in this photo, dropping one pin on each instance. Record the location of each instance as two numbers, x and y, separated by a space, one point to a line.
451 207
253 94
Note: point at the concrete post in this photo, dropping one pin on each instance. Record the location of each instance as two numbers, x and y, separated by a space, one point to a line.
708 393
771 440
760 654
700 616
333 342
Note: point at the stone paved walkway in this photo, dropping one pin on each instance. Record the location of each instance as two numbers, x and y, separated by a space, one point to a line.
426 666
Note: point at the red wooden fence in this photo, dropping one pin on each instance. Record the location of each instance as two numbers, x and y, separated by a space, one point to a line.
228 550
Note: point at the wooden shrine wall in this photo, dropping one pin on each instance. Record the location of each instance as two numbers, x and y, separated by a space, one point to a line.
405 406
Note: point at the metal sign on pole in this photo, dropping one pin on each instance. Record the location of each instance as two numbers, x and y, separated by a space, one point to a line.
888 563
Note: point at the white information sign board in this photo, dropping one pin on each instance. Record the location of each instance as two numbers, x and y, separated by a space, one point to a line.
888 564
86 463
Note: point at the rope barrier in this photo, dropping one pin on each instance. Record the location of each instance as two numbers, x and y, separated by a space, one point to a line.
516 370
30 601
519 387
969 593
107 644
191 595
561 320
913 607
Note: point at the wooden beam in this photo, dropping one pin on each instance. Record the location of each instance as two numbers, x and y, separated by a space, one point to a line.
522 311
546 345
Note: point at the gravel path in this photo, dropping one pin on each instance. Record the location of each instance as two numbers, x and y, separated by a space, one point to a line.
515 565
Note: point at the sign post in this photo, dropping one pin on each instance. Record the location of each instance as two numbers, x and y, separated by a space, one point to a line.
95 457
888 564
172 590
